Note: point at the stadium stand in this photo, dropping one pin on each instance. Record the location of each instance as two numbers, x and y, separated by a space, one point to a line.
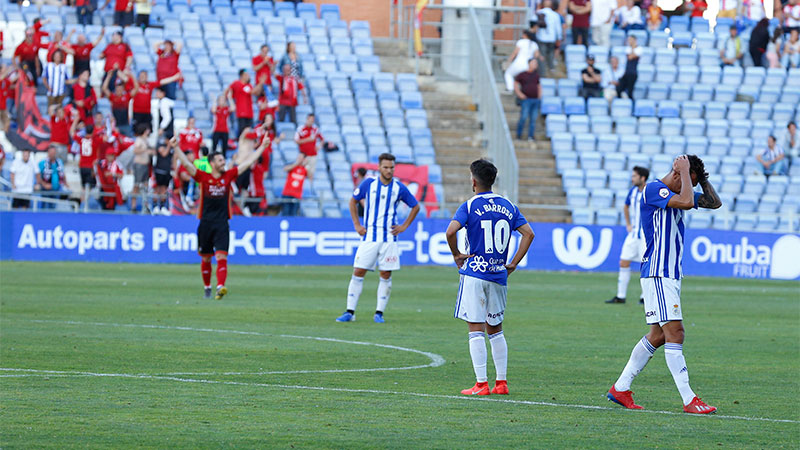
363 111
683 103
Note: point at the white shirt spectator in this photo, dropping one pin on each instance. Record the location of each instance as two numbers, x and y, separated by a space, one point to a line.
610 75
24 175
533 10
602 10
630 16
793 148
768 154
57 76
792 15
164 107
552 32
730 47
754 10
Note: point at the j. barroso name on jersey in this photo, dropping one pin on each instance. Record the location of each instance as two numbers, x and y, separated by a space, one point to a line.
491 207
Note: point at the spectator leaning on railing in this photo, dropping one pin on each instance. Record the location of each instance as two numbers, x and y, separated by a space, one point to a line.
23 178
50 174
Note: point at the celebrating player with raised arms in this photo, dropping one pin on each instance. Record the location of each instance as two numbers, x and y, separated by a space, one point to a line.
662 207
378 247
214 212
489 219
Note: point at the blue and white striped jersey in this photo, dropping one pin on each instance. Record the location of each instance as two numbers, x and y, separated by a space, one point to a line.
634 200
57 76
663 229
489 219
380 207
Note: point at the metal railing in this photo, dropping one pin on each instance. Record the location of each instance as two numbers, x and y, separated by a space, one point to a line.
36 202
491 113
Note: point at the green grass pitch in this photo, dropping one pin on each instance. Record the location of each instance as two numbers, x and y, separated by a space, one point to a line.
136 358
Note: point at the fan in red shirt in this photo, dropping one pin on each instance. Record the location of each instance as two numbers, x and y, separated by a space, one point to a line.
698 7
214 212
306 138
241 93
167 65
120 100
103 136
88 154
293 189
59 43
263 65
267 105
59 130
38 34
190 138
118 56
123 12
142 93
289 88
108 174
82 52
26 57
84 98
220 130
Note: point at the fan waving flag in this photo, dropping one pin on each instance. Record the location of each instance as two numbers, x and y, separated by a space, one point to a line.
421 4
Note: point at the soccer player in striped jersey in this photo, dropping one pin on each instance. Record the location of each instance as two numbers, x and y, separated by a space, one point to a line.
378 247
489 220
662 209
633 247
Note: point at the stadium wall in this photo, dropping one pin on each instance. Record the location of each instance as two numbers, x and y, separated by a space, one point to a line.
303 241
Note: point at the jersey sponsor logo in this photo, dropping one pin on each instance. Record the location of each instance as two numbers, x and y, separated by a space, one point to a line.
576 248
650 314
478 264
663 192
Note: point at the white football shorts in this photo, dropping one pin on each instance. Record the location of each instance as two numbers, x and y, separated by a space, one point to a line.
480 301
632 249
384 255
662 300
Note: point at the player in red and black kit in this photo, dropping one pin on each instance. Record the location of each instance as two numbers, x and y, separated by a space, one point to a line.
214 211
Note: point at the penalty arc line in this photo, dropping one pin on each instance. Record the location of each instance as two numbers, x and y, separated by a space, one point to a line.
56 373
436 360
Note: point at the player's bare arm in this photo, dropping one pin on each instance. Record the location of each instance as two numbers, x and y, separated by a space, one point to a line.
685 198
356 221
250 160
524 244
190 168
709 199
397 229
451 233
628 225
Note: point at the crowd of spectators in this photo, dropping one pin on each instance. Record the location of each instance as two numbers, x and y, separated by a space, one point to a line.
134 138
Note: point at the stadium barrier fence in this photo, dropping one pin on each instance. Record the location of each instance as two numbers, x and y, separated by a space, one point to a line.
305 241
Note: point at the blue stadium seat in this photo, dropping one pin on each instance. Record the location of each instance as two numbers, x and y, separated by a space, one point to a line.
679 23
646 73
691 110
648 125
328 11
567 88
621 107
705 40
658 39
573 178
716 110
566 161
703 92
644 108
761 111
668 109
562 142
687 57
740 128
597 107
783 112
578 124
770 94
574 105
596 179
651 144
555 123
614 162
600 124
724 93
608 143
681 91
674 144
602 198
589 159
551 105
658 91
630 143
717 128
665 57
625 125
791 94
577 196
694 127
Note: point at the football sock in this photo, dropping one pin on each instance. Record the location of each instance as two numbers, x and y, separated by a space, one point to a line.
354 292
622 281
384 291
641 354
677 366
205 269
222 271
499 353
477 351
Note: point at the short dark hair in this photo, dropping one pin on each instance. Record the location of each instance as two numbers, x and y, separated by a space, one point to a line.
310 115
386 157
696 165
204 150
89 129
241 71
162 90
772 137
484 172
733 27
361 171
141 128
642 171
790 124
213 155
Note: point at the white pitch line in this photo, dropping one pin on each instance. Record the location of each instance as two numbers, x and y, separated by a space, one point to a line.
436 360
59 373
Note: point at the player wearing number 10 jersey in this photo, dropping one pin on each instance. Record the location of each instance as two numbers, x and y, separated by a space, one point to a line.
489 220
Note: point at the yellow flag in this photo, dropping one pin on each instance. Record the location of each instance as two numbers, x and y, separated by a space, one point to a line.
421 4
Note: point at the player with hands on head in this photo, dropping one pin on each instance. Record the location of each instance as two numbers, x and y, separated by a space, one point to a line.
662 209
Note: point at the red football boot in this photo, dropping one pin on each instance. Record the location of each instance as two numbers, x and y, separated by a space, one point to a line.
500 387
624 398
697 406
478 389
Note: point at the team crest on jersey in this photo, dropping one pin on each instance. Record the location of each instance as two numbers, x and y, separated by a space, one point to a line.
478 264
664 192
356 192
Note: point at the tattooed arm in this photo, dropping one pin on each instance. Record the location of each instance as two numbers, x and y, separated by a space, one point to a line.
709 199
